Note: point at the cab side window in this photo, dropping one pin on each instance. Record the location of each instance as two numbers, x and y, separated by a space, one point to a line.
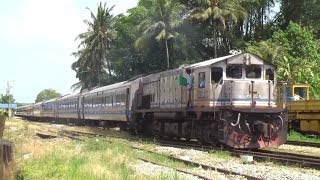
234 71
269 74
202 80
216 74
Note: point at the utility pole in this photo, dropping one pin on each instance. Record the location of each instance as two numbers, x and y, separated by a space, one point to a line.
8 94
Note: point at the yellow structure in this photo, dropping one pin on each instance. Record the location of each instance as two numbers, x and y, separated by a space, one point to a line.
303 113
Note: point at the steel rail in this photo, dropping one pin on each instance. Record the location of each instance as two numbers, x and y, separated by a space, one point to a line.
288 158
301 143
203 166
177 169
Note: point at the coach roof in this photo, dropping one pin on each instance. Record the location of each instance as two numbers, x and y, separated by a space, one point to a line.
110 87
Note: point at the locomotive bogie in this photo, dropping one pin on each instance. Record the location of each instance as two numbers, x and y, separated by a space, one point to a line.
245 129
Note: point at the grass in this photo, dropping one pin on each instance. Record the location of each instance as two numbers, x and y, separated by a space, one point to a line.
295 136
87 160
61 158
173 176
220 153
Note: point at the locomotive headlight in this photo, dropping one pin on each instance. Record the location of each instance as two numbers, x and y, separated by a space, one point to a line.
253 103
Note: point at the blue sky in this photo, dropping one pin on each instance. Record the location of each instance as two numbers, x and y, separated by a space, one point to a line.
36 40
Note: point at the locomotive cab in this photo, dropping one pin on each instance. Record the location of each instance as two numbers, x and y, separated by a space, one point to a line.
241 91
235 82
246 81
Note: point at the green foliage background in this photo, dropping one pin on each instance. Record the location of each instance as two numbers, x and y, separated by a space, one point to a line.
47 94
160 34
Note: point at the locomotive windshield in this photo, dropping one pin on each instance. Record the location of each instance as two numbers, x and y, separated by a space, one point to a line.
253 71
234 71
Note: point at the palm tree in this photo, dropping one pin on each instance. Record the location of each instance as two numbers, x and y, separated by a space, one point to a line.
217 10
94 46
164 19
82 69
267 50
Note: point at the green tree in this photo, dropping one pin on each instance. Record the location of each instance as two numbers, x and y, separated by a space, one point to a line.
82 68
303 12
161 23
127 61
215 12
47 94
5 99
92 55
296 54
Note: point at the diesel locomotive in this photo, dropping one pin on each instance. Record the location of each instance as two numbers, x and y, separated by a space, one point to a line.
229 100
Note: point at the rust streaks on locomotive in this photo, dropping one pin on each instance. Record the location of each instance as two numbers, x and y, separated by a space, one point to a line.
228 100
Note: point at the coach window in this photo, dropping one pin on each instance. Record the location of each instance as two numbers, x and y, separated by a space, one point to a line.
269 74
234 71
98 103
106 101
113 100
118 99
102 101
109 101
123 99
253 71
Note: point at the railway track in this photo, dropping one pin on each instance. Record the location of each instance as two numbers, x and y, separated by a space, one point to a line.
300 143
177 169
75 135
203 166
282 157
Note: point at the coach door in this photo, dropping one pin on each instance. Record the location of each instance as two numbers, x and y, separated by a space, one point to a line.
201 87
82 107
78 108
216 87
127 103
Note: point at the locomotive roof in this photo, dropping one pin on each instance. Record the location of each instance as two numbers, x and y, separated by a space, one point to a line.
211 61
231 59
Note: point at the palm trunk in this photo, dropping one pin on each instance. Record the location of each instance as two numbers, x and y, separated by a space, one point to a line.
215 40
108 63
109 69
168 58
